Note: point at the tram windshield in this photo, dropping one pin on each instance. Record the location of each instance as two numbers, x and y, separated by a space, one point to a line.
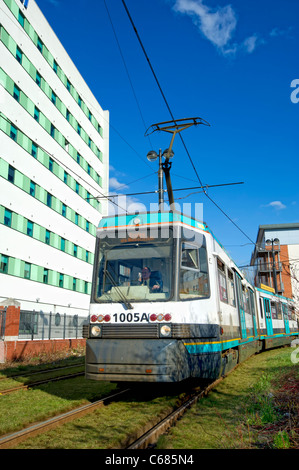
134 272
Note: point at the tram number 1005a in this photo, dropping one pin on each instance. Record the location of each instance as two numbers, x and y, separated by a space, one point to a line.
140 317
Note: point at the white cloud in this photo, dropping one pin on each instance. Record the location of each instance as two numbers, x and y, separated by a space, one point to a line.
276 205
250 43
217 25
115 184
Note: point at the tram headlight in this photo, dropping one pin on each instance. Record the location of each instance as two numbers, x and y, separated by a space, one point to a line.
165 331
96 331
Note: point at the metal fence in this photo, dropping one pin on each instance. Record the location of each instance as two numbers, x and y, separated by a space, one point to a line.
2 322
41 325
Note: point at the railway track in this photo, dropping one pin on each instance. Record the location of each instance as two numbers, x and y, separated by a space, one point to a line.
40 382
11 440
42 371
141 440
150 437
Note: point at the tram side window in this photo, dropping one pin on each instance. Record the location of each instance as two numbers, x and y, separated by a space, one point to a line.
274 310
194 278
291 312
222 281
279 311
231 288
267 304
261 308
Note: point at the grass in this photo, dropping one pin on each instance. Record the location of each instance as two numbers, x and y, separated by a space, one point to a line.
255 407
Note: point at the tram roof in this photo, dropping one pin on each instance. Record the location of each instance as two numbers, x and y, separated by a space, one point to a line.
148 218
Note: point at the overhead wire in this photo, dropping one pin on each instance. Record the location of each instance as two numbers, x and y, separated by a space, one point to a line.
169 109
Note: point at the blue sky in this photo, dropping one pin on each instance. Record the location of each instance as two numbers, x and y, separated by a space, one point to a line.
233 63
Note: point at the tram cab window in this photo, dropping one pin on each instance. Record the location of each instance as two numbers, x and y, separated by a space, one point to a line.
194 278
122 269
222 281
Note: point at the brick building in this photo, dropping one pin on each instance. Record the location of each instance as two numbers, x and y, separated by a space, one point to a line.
276 259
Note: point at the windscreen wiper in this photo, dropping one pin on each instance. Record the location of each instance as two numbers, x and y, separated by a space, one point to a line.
121 295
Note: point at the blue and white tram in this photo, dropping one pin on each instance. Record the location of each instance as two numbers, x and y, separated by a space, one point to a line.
169 304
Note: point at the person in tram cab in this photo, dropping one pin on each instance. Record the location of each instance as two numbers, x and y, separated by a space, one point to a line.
152 279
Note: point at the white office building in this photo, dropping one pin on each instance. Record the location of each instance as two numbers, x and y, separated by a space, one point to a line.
54 161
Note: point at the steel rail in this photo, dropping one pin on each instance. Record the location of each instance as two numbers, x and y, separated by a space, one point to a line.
150 437
10 440
40 382
41 371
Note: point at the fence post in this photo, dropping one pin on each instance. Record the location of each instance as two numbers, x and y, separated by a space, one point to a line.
64 326
50 324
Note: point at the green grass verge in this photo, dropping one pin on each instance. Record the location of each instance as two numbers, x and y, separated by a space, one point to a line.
254 407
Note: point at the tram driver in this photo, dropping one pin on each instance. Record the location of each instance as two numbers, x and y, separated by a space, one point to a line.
152 279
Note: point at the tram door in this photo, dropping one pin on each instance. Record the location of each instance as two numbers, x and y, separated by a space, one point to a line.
252 306
267 310
241 306
286 318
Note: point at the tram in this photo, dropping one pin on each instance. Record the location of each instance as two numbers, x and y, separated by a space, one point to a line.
169 304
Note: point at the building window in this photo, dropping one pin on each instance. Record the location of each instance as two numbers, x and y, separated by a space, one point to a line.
67 115
63 210
39 45
65 177
21 19
88 168
53 98
78 158
11 174
89 142
75 250
7 217
13 132
19 55
89 115
87 226
38 78
79 101
32 188
47 237
60 280
27 270
55 66
36 114
86 256
34 150
46 276
76 218
79 129
29 228
86 287
51 163
77 187
16 92
74 283
52 131
68 85
62 244
49 200
4 264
